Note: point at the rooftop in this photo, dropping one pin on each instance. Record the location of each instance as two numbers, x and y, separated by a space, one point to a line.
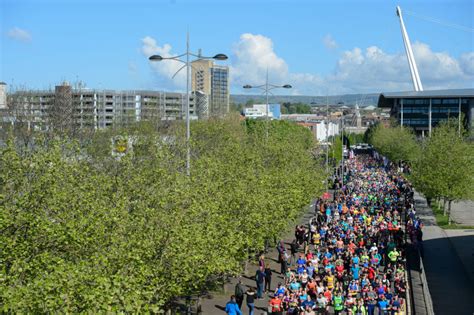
432 93
423 94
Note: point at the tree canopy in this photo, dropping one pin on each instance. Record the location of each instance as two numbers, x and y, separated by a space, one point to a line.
442 165
85 231
398 144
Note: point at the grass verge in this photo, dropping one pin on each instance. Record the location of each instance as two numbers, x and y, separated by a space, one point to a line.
442 220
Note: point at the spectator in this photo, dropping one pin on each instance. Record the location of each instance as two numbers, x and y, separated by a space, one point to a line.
250 300
231 308
260 281
239 293
268 278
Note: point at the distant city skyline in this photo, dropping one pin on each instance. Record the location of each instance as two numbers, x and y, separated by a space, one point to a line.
330 47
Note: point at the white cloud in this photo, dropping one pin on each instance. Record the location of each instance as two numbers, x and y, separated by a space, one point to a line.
166 69
329 42
375 70
356 71
253 55
467 63
436 66
19 34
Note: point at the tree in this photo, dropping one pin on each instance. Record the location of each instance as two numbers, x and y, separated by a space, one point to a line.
445 168
83 231
398 144
295 108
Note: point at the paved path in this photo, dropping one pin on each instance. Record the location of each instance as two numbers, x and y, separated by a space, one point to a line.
215 303
463 242
449 282
462 212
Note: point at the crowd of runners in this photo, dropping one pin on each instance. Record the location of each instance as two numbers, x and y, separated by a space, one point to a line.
349 258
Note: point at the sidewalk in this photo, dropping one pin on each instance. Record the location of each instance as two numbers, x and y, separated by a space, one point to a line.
215 303
462 212
449 282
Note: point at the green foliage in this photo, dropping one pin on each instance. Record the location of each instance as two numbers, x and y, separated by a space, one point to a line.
237 107
295 108
335 152
442 165
82 231
355 138
446 166
398 144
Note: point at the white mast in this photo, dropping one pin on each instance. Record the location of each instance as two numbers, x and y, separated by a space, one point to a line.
411 59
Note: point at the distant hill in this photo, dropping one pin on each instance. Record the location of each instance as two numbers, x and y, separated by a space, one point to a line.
347 99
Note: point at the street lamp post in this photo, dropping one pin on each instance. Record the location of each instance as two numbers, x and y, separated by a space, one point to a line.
343 146
267 87
327 141
187 65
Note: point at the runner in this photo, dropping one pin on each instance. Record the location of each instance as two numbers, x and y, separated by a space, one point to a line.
349 259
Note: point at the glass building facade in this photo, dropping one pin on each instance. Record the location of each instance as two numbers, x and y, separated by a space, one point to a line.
413 109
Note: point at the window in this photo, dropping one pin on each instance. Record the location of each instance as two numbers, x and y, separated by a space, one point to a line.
421 101
451 101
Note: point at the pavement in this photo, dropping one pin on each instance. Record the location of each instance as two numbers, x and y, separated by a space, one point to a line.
448 264
463 243
214 303
462 212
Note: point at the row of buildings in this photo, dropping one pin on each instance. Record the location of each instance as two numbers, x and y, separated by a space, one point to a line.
82 107
94 108
418 110
324 124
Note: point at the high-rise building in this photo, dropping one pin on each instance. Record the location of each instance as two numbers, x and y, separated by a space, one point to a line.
213 81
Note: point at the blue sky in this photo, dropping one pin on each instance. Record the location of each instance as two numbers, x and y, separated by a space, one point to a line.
317 46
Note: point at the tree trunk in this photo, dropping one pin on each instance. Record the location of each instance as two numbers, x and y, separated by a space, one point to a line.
444 206
246 267
449 213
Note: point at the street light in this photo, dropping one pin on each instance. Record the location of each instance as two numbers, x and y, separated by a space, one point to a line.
187 65
267 88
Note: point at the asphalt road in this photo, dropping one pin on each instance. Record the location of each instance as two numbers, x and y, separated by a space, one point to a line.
449 281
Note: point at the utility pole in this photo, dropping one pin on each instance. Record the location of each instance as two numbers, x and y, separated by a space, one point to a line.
459 118
429 119
188 125
267 105
327 139
401 113
187 64
342 143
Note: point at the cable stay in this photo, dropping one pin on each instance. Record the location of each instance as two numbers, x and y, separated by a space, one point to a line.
440 22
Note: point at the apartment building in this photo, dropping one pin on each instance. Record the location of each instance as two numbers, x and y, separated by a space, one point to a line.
91 108
212 81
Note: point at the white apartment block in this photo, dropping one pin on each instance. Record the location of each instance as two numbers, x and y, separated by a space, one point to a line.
96 109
